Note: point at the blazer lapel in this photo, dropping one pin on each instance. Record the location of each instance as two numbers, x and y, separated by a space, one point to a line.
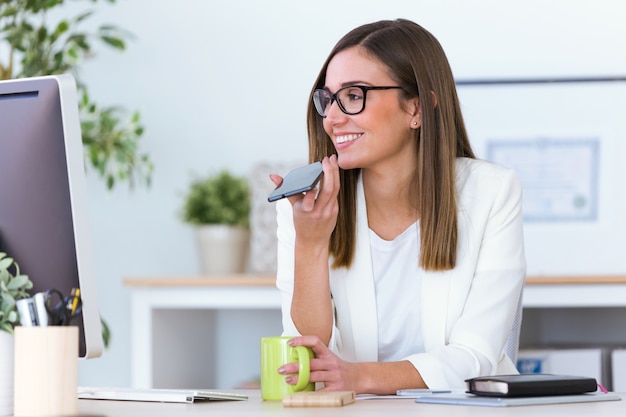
361 282
359 293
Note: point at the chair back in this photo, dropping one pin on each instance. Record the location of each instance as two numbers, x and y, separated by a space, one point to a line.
511 348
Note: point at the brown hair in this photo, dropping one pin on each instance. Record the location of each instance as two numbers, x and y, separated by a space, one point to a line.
417 62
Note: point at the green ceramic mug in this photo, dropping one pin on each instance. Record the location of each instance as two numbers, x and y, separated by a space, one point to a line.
275 352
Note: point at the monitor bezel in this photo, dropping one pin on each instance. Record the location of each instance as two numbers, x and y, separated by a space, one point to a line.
76 182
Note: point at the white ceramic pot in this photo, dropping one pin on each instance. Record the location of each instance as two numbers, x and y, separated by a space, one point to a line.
222 249
6 373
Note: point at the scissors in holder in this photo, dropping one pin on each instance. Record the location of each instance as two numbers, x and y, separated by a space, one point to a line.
62 309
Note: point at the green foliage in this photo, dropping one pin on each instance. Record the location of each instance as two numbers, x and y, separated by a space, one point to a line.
106 333
218 199
13 286
37 47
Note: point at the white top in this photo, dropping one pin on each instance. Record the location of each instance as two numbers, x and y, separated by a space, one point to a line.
397 279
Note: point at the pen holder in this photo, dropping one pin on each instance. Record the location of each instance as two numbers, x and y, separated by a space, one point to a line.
46 371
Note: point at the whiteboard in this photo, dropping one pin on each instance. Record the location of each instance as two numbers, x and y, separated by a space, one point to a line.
568 114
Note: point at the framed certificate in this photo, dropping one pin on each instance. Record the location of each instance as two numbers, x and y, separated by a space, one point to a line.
559 177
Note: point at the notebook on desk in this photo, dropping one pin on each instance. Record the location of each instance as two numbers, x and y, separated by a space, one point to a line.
155 395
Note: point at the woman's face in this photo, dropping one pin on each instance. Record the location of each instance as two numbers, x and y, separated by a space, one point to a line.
382 136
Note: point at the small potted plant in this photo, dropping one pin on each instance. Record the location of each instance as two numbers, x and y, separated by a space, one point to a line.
218 207
13 286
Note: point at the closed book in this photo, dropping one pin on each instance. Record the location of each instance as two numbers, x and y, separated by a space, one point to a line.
529 385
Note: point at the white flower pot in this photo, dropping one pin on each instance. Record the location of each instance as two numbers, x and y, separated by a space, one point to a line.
6 373
222 249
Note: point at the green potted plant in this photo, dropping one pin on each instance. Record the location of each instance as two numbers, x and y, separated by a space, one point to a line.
13 286
218 207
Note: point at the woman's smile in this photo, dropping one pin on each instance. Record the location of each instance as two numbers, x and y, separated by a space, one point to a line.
347 138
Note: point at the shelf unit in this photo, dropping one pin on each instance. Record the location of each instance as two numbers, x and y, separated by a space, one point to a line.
199 331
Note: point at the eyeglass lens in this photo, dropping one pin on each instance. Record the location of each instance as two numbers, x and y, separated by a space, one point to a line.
351 100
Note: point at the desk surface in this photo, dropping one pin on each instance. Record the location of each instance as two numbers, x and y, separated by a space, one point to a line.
254 406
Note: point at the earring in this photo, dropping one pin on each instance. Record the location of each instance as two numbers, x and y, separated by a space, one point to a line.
414 123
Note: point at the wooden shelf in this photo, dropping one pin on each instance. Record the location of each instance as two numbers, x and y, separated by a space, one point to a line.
167 309
576 280
249 280
241 280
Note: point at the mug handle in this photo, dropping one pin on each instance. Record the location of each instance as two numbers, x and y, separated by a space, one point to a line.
304 372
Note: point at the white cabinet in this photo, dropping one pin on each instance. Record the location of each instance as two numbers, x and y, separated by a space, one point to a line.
203 332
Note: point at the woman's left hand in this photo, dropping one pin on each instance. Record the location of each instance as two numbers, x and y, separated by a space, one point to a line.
326 367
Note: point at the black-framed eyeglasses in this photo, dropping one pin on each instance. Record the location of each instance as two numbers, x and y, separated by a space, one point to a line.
351 99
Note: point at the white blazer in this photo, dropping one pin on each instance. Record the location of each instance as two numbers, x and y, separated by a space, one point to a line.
467 312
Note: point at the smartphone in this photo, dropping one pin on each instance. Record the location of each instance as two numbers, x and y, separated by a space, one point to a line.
298 180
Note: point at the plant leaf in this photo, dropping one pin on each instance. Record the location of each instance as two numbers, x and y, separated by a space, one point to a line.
114 42
6 263
18 282
6 327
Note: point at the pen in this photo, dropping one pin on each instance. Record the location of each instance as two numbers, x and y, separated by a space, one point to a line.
74 296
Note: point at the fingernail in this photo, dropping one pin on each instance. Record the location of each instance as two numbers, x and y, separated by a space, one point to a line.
281 370
289 379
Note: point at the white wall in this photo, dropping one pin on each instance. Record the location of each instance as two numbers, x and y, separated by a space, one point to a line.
225 84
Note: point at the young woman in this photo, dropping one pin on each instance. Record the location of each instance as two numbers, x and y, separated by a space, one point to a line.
405 268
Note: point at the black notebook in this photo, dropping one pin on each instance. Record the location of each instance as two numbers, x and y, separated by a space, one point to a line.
530 385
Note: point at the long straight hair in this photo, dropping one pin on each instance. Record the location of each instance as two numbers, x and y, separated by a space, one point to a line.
417 62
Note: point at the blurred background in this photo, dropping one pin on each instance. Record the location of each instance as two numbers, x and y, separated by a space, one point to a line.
225 84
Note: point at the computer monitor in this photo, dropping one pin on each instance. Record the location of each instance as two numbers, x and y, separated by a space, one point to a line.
43 201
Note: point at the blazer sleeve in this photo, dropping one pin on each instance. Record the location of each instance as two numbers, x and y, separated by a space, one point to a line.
286 236
484 289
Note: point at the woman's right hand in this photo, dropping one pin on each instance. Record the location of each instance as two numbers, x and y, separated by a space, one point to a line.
314 217
315 212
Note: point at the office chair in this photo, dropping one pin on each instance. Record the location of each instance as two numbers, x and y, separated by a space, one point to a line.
511 347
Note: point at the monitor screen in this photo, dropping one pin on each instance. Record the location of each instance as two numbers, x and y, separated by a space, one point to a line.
43 201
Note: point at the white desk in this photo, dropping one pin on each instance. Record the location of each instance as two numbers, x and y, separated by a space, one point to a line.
150 296
254 406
